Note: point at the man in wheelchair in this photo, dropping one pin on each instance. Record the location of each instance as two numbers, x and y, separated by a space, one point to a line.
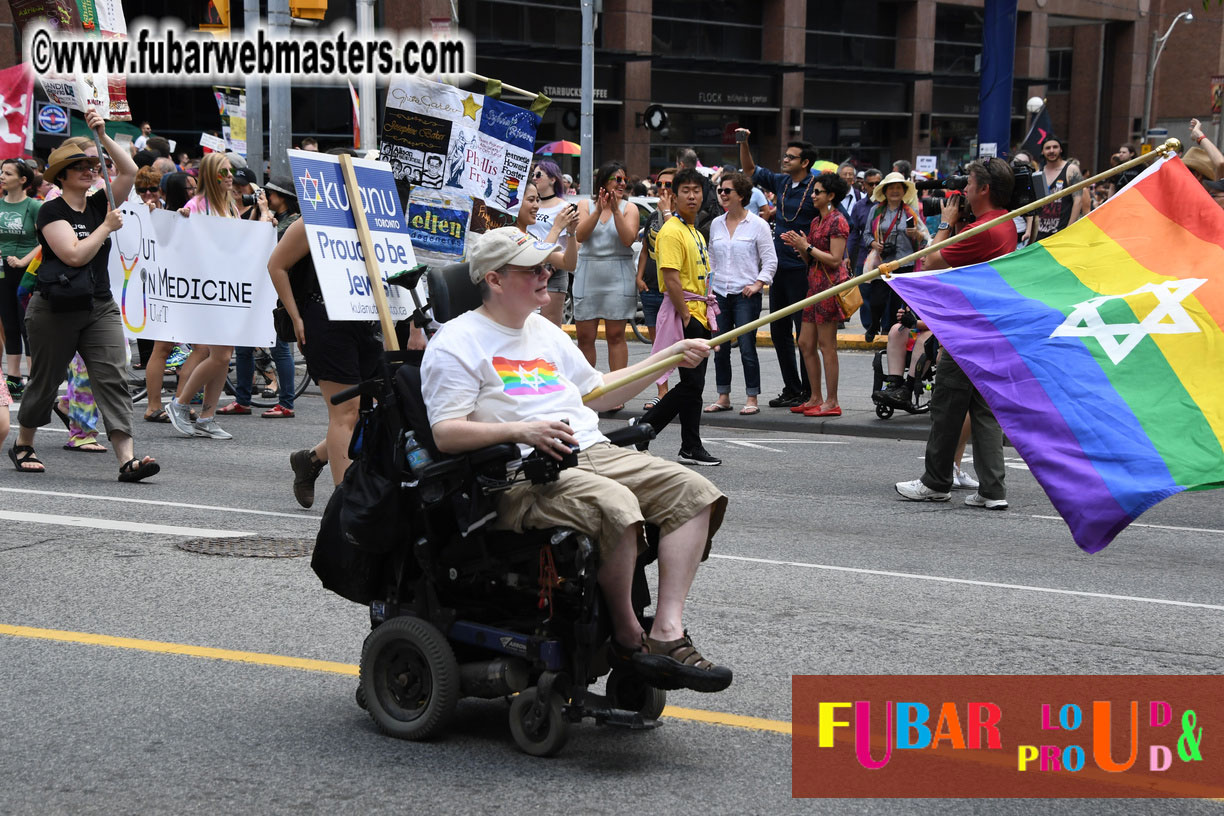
504 374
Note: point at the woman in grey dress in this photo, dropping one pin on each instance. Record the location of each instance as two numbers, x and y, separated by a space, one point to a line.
605 282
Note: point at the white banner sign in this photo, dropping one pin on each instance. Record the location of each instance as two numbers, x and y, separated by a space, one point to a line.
926 164
213 143
198 279
338 257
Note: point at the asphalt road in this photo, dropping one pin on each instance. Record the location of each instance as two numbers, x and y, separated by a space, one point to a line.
819 569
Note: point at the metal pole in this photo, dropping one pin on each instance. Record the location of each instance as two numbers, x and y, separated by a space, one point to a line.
254 101
586 164
1147 90
280 113
365 87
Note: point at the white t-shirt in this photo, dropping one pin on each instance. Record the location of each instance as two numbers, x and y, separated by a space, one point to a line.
479 369
544 222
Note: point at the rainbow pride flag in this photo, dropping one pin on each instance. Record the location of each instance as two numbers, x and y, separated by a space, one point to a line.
1101 350
523 378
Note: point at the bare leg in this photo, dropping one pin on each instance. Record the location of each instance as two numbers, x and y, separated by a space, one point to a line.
826 337
586 331
209 376
341 420
807 347
896 349
155 374
679 554
555 308
616 581
618 349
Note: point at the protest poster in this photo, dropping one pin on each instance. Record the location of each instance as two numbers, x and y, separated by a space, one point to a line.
201 279
339 260
489 142
231 106
438 225
105 92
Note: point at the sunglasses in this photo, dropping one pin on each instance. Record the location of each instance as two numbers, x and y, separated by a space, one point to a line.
223 172
83 167
146 190
725 190
529 270
790 156
618 179
666 185
818 191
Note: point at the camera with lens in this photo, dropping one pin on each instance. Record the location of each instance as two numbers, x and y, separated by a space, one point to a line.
540 468
1023 192
948 187
249 199
889 250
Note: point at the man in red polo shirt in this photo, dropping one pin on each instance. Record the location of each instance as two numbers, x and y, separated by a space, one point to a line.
988 190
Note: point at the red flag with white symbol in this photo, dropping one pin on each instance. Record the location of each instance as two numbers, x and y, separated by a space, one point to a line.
16 96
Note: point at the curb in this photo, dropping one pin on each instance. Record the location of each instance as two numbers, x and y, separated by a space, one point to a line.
845 342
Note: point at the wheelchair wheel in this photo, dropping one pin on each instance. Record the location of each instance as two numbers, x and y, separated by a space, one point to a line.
629 692
924 376
409 678
884 411
538 736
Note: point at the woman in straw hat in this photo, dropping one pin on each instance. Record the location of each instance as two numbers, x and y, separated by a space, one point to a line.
63 319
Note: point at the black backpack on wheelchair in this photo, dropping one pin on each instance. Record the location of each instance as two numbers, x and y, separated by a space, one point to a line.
458 608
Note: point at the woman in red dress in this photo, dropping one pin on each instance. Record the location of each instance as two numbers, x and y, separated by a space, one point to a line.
824 246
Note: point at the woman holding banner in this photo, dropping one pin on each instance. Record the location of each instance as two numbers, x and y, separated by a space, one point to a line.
216 182
72 309
605 283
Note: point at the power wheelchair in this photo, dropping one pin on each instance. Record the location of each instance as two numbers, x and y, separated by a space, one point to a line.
458 609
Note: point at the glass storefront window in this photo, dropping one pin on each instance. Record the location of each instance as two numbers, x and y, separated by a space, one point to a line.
718 40
518 21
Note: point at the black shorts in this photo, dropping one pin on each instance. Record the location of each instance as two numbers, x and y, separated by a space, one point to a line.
339 351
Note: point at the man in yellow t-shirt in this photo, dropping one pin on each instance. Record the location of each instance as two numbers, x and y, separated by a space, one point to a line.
684 279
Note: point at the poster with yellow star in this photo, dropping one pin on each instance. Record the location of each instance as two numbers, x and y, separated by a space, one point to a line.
484 145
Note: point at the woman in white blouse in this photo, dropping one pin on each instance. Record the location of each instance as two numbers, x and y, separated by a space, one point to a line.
742 262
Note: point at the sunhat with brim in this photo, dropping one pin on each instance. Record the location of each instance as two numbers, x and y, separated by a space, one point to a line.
911 192
1198 160
281 185
507 245
62 157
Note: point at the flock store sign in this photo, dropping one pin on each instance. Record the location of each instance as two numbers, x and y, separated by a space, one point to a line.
725 91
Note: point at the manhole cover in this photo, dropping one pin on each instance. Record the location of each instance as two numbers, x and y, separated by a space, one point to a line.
250 546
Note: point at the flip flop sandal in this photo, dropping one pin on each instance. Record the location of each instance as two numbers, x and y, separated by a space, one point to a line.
134 470
677 662
716 408
23 455
88 447
159 415
650 403
749 410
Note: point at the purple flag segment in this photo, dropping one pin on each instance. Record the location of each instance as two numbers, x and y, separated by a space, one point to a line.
1086 458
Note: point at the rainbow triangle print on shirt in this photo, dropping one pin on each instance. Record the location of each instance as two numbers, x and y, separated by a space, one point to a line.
527 377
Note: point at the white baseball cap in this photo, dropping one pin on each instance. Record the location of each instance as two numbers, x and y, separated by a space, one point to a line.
506 245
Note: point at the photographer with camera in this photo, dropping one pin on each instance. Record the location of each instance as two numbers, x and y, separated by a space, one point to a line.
988 190
502 373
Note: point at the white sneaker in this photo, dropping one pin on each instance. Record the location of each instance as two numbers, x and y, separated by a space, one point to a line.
962 480
977 500
180 418
210 428
917 491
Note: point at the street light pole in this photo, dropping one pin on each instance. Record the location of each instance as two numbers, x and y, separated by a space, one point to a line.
1158 44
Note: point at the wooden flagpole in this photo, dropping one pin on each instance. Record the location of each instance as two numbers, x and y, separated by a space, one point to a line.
390 341
886 269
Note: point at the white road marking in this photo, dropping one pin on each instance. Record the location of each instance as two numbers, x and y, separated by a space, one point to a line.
1150 526
775 441
743 444
298 516
123 526
993 584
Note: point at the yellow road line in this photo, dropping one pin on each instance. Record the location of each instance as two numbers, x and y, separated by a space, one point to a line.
332 667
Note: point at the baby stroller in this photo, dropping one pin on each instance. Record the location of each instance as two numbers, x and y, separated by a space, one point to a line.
458 609
916 396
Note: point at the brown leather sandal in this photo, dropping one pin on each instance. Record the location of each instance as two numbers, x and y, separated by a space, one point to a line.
676 663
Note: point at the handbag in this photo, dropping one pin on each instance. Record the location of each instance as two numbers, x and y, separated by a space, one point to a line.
850 301
282 323
66 288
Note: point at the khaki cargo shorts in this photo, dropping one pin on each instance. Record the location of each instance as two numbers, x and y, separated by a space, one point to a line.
611 489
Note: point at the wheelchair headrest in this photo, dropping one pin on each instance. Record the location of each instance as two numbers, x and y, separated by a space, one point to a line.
451 291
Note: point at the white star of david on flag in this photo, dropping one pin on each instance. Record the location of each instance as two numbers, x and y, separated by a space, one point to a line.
1168 317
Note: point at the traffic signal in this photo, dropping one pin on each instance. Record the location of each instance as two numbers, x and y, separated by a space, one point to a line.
308 9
